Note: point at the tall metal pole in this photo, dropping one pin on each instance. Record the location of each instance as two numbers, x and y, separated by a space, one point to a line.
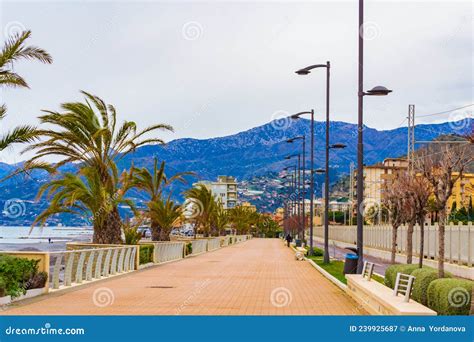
303 182
299 195
311 191
360 143
326 180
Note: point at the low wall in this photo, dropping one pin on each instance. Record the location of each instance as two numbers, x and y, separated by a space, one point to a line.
378 299
167 251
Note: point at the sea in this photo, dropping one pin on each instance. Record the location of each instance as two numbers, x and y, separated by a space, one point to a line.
48 238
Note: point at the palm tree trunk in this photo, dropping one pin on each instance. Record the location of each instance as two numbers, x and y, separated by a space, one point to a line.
422 241
442 221
394 243
155 231
410 242
165 234
111 230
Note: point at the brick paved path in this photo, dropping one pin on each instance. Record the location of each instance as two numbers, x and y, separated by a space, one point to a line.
257 277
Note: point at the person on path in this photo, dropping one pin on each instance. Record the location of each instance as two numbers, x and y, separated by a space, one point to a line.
288 239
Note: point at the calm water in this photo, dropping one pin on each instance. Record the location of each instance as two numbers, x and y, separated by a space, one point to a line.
20 238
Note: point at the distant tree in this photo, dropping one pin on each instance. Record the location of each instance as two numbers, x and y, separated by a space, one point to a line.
443 168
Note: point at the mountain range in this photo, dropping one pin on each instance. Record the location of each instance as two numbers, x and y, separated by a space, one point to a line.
255 152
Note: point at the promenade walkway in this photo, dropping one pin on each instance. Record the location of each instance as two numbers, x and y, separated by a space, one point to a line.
257 277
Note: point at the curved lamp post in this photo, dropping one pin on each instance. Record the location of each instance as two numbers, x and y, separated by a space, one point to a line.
376 91
326 200
311 185
297 181
303 179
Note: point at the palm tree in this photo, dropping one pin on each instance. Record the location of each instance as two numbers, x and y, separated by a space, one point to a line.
219 219
242 219
81 194
202 205
153 183
87 133
14 50
166 214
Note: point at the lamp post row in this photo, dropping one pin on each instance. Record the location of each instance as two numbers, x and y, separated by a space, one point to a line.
376 91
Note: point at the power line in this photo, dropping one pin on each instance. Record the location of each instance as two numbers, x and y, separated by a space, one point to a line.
447 111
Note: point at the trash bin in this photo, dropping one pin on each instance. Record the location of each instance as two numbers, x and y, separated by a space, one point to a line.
350 264
298 242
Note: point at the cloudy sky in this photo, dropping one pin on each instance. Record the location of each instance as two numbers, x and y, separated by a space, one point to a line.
217 68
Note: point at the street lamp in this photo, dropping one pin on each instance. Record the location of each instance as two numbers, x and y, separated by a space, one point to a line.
311 191
376 91
326 199
303 180
298 181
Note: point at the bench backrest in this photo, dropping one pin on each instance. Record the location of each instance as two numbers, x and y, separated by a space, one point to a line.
403 285
368 270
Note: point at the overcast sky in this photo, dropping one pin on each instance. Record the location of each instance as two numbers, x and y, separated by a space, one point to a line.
217 68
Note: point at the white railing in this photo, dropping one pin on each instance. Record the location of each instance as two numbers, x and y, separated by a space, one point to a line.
167 251
213 244
459 240
199 246
73 267
225 241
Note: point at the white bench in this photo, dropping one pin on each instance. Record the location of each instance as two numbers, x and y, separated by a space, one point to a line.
300 253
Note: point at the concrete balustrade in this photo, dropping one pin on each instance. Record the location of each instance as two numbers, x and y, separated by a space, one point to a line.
213 244
74 267
167 251
199 246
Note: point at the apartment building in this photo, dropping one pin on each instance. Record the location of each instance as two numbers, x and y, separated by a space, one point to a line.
225 189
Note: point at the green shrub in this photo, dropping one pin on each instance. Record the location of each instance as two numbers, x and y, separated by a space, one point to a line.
391 272
316 251
189 248
146 254
3 285
423 278
450 296
16 272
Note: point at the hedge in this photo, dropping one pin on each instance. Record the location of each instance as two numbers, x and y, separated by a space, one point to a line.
423 278
316 251
146 254
15 274
391 272
450 296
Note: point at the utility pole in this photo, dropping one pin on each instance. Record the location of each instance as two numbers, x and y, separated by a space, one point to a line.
411 138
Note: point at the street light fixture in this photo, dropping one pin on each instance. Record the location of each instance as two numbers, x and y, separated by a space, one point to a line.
376 91
303 181
298 182
311 190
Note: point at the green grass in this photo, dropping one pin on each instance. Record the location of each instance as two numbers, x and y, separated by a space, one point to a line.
336 267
